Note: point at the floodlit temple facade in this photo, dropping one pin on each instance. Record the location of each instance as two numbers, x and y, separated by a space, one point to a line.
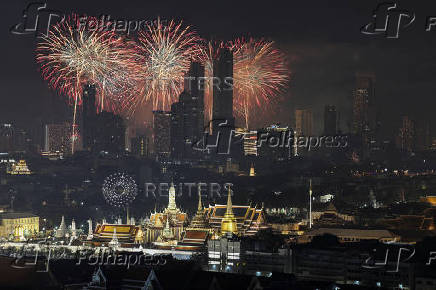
18 225
171 222
249 220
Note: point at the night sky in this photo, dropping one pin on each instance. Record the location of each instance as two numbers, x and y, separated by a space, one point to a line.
321 39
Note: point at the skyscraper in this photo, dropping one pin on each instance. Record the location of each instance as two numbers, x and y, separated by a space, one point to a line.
406 135
364 115
89 116
57 138
330 119
186 124
140 146
194 85
222 90
161 132
110 136
365 124
303 122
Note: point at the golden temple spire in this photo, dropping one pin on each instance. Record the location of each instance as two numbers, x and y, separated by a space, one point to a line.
200 206
228 223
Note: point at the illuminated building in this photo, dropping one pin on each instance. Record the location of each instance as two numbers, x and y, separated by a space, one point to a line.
161 132
429 199
158 220
6 137
122 234
249 141
249 220
19 168
350 235
304 122
61 232
186 123
330 120
17 225
252 172
57 138
406 137
140 146
228 222
275 142
364 110
331 217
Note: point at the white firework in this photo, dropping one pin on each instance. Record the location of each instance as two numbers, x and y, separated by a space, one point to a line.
119 189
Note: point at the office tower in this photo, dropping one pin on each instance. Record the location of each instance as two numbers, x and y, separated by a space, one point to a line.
422 135
177 136
161 132
57 138
194 85
249 141
89 116
330 120
275 142
406 135
140 146
6 138
110 136
222 109
364 103
365 124
185 125
303 122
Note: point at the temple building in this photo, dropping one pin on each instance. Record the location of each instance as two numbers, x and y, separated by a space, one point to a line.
171 219
19 168
331 217
198 231
18 225
249 220
119 235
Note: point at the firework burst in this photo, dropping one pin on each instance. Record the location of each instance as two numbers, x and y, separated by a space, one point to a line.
164 53
72 55
260 73
119 189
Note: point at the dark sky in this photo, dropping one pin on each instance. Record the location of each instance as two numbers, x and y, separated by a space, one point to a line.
322 41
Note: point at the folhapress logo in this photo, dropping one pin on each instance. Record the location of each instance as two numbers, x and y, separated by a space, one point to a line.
388 20
37 19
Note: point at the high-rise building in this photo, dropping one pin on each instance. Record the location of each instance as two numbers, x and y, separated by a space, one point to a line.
303 122
365 124
330 120
161 132
57 138
422 135
406 135
140 146
185 125
6 137
275 143
364 103
110 136
222 109
194 85
89 116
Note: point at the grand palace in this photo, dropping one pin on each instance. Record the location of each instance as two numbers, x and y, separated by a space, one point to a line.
171 228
